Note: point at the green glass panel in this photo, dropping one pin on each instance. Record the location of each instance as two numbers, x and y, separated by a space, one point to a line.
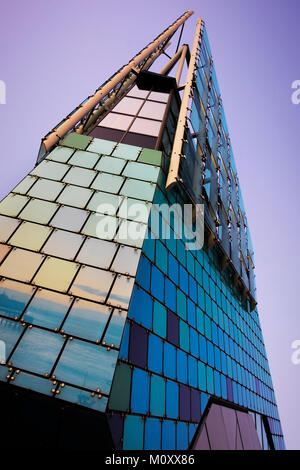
120 392
150 156
111 165
63 244
60 154
20 265
134 188
7 227
84 159
92 283
104 203
25 184
56 274
75 196
101 226
50 170
159 319
78 141
107 182
101 146
30 236
98 253
141 171
39 211
80 176
128 152
46 189
13 204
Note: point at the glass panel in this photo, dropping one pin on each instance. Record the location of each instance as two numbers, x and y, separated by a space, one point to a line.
134 188
47 309
153 110
75 196
127 260
4 249
13 204
39 211
63 244
109 183
84 159
101 226
83 398
104 203
10 332
163 97
134 209
87 365
51 170
80 176
114 331
128 152
21 265
37 351
121 291
138 93
69 218
92 283
131 233
146 126
25 184
56 274
128 106
141 171
30 236
33 382
116 121
111 165
46 189
60 154
14 297
87 320
97 253
101 146
7 226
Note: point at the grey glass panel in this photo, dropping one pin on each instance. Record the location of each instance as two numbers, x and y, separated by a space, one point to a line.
39 211
46 189
141 171
69 218
121 291
4 249
10 332
13 204
92 283
20 264
127 260
191 171
83 398
116 121
80 176
60 154
128 106
51 170
135 209
87 320
7 227
101 226
163 97
32 382
63 244
37 351
140 189
101 146
235 248
153 110
87 365
107 182
145 126
138 93
47 309
56 274
25 184
30 236
84 159
131 233
128 152
111 165
97 253
14 297
115 328
75 196
104 203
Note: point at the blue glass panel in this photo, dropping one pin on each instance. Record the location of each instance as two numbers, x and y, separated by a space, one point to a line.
181 304
157 396
47 309
217 382
184 337
191 310
203 348
140 391
199 320
210 379
181 366
173 269
159 319
152 434
204 400
172 399
193 289
194 342
149 247
143 273
32 382
170 295
168 435
9 333
87 365
37 351
13 297
133 433
155 353
157 284
82 398
192 368
140 308
183 280
169 361
115 328
210 354
87 320
161 257
182 436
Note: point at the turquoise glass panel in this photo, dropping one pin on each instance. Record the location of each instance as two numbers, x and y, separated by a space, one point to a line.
111 165
133 433
101 146
157 396
159 319
128 152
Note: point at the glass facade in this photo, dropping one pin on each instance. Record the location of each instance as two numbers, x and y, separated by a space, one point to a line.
101 310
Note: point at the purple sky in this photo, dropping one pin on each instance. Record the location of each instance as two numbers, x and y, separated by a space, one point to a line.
55 53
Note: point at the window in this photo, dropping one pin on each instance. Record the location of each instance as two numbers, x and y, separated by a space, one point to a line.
39 211
56 274
69 218
153 110
47 309
30 236
128 106
20 265
46 189
116 121
7 227
97 253
50 170
145 126
121 291
75 196
13 204
92 283
84 159
63 244
80 176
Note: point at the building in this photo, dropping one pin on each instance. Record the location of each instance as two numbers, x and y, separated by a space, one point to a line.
114 334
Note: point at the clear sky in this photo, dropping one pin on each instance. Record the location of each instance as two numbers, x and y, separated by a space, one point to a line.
55 53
